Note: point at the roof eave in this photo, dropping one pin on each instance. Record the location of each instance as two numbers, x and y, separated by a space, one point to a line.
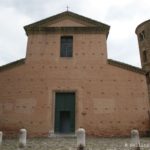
12 64
125 66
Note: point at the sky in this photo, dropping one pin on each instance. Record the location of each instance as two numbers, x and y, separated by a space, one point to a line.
122 15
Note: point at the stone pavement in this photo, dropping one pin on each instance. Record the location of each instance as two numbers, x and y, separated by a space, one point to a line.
67 143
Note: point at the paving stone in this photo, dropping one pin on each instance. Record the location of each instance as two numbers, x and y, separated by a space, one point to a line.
93 143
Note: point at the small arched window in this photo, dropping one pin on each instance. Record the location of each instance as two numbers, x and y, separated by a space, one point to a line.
148 77
144 56
142 35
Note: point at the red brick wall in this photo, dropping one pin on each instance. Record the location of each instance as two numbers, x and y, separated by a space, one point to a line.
109 100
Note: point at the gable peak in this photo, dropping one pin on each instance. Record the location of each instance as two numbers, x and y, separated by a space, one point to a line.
68 14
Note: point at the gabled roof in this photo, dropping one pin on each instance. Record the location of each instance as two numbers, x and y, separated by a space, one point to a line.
68 14
38 26
125 66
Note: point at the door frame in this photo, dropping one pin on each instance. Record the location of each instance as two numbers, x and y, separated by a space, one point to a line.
53 106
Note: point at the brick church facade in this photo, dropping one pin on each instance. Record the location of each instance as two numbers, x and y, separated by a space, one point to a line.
66 82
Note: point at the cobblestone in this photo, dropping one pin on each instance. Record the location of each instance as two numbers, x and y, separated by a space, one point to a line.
93 143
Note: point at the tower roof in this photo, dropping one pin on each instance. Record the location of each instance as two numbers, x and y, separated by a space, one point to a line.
141 24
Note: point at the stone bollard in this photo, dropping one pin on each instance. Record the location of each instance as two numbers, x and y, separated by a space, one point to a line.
80 139
1 137
22 138
135 140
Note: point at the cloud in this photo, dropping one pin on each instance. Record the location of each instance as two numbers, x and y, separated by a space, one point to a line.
38 8
124 18
12 38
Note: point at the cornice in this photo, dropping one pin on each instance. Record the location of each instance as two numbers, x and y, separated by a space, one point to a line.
50 30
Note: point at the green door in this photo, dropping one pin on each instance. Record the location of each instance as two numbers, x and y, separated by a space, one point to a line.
64 112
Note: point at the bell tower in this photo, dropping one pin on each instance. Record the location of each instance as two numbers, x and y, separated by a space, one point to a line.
143 35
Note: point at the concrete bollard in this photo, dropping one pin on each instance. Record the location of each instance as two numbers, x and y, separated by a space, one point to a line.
22 138
135 140
1 137
80 139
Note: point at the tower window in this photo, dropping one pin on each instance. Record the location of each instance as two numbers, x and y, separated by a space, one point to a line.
66 46
142 36
144 56
148 77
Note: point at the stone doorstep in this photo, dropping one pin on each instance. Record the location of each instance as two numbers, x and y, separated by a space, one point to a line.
55 135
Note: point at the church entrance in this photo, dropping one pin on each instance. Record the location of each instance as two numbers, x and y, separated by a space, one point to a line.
64 112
